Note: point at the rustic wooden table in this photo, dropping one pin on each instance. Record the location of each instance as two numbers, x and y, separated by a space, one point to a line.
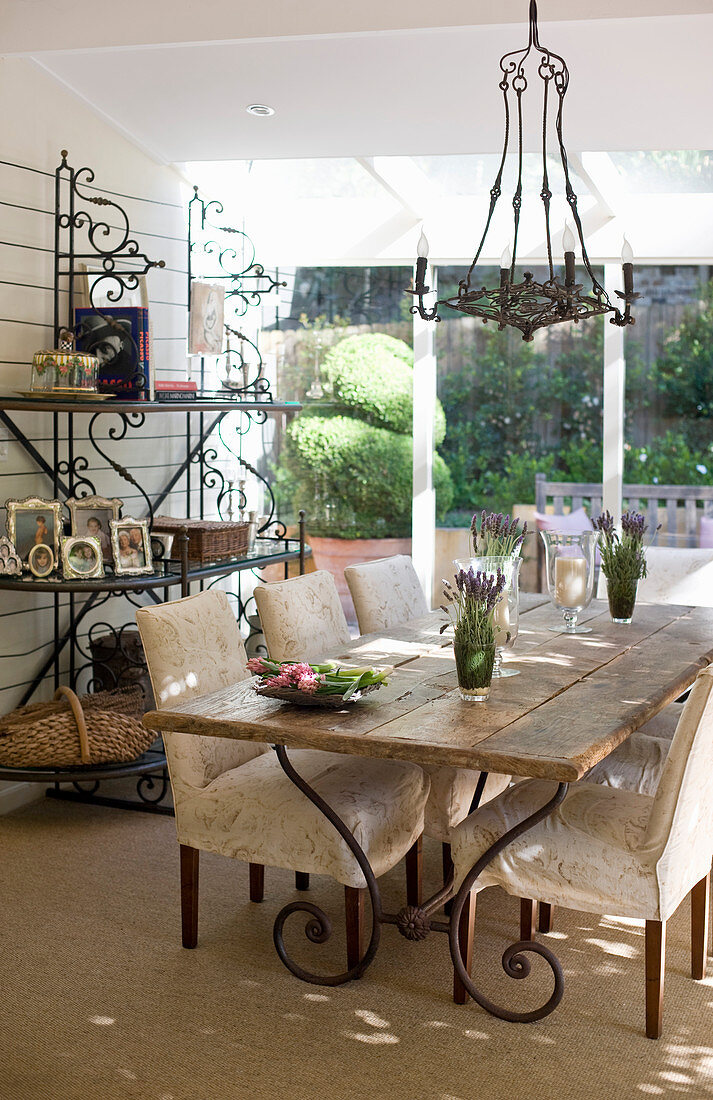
577 698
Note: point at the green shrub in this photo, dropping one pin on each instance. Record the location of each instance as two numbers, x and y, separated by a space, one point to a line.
669 460
354 479
371 376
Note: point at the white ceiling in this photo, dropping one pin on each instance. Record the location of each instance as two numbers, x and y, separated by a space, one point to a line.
378 78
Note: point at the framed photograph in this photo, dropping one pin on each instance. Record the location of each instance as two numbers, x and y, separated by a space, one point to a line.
33 521
10 564
92 516
40 561
161 546
206 318
82 557
131 546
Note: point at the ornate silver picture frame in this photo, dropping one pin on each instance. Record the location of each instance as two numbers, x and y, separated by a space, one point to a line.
92 516
82 558
131 546
41 561
32 521
10 562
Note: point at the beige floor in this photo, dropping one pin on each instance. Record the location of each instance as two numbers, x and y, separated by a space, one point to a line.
99 1002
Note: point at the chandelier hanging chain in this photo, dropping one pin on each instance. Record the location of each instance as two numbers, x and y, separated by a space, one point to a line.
530 305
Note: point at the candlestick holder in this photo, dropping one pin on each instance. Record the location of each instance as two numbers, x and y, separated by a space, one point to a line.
569 565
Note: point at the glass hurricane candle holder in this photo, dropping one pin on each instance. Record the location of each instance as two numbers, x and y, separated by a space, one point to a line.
569 564
506 617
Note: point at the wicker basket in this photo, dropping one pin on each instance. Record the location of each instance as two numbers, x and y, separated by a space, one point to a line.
103 728
208 539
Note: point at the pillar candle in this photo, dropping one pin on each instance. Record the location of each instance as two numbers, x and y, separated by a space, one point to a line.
501 620
570 582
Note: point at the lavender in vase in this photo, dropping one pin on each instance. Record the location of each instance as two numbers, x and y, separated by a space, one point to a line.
494 534
470 607
623 560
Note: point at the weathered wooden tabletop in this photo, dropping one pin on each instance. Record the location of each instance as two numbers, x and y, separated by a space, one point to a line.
577 698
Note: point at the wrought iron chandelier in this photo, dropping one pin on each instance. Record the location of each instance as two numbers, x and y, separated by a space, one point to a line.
529 305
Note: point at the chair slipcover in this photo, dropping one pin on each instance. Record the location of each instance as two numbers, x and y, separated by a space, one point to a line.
302 618
677 575
256 813
606 850
385 592
232 798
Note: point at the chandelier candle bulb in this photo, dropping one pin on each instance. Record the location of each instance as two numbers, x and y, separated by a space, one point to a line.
571 582
568 246
627 260
422 249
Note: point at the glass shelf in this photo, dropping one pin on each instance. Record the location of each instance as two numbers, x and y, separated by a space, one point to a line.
265 552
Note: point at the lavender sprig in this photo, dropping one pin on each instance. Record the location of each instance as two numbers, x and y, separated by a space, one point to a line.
470 605
494 534
623 558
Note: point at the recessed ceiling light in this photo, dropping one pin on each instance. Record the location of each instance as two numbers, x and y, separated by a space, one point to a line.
260 109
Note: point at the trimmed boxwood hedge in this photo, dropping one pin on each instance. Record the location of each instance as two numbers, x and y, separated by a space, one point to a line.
371 377
354 479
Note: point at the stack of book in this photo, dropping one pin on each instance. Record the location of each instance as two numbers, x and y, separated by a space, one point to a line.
119 337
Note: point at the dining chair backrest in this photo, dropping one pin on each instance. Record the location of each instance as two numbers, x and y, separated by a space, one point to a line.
192 647
386 592
679 832
302 618
674 575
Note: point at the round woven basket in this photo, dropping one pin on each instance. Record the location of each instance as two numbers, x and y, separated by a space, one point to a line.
103 728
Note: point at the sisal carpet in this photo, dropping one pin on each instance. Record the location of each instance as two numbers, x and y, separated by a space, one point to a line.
99 1002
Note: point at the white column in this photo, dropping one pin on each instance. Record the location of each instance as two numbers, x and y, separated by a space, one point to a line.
613 402
423 516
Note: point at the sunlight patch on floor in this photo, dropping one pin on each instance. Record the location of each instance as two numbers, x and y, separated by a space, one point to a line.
102 1021
370 1018
625 950
316 997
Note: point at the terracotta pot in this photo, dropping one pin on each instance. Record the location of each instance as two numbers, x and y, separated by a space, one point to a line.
334 554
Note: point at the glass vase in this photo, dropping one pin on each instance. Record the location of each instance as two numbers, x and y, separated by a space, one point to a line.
474 665
569 564
506 617
622 597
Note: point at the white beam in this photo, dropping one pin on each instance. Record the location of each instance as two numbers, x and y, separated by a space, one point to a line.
613 402
423 514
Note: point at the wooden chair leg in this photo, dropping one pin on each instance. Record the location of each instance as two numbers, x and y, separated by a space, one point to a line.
257 882
655 966
528 918
354 910
414 873
189 895
447 868
544 916
301 880
700 908
465 939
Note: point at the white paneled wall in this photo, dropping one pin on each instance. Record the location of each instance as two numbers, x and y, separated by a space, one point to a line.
39 118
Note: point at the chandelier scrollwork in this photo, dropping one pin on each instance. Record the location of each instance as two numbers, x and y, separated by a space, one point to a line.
530 305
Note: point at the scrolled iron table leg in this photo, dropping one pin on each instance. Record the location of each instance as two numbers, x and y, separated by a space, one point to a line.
318 928
513 960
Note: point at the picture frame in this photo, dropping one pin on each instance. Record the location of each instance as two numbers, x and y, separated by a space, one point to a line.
206 318
10 562
131 546
161 546
41 561
32 521
82 558
91 516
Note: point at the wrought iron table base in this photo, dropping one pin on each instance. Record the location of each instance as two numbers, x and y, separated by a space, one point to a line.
415 922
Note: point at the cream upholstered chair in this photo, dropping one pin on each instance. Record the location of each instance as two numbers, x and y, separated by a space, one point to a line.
302 618
674 576
613 851
233 798
386 593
